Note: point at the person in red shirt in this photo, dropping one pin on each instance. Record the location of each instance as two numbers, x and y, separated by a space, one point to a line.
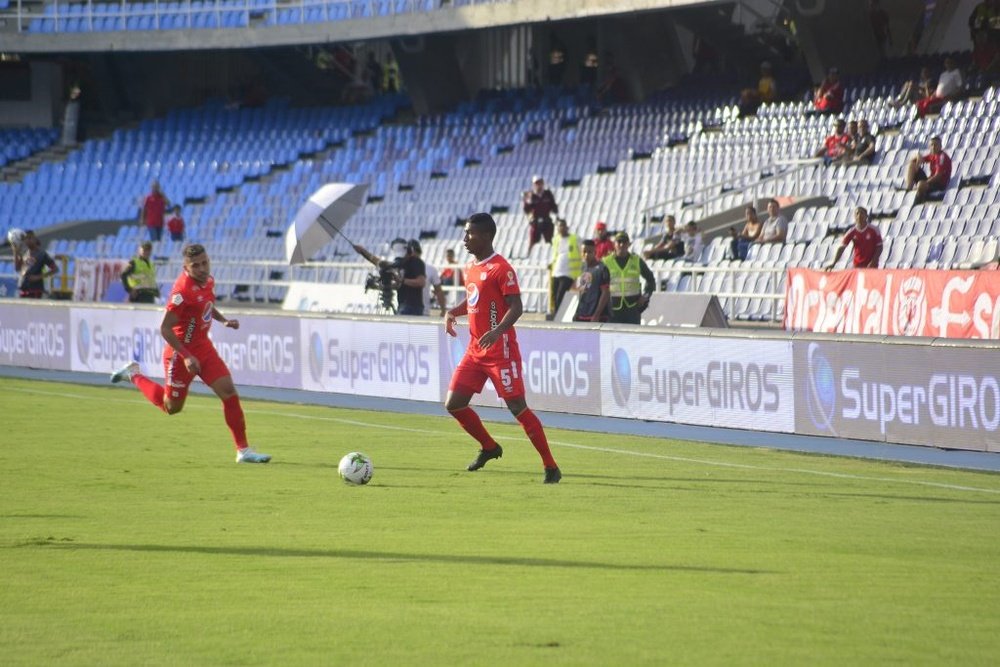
940 167
867 243
153 208
189 352
829 96
539 205
493 304
175 225
603 243
835 146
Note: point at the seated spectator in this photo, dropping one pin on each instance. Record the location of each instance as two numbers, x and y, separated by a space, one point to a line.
667 245
836 145
765 92
175 225
693 243
603 244
750 233
829 97
867 242
915 89
940 168
863 148
949 86
775 227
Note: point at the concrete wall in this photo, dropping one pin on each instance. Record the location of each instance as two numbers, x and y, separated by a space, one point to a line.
46 103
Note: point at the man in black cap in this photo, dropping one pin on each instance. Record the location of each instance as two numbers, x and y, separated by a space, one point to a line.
410 290
632 282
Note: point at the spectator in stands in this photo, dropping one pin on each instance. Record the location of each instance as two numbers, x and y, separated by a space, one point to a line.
451 276
984 29
667 245
153 208
750 233
565 265
867 242
557 61
593 287
775 227
940 168
139 276
627 270
836 145
863 148
829 97
539 205
706 58
949 87
879 20
915 89
765 92
590 65
411 271
433 294
693 244
612 89
391 81
603 244
72 127
31 262
175 225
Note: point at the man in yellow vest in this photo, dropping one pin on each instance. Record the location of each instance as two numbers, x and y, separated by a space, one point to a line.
565 266
139 277
632 282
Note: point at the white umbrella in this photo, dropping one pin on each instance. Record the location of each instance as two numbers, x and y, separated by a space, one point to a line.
322 217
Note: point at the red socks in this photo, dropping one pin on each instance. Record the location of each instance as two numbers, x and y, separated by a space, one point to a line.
533 428
473 425
151 390
233 411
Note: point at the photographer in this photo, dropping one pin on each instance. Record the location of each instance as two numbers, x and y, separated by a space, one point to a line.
410 268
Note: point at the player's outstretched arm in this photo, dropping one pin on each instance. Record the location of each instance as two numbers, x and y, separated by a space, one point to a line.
452 316
219 317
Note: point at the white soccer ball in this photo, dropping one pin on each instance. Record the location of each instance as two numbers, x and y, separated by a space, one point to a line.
356 468
15 236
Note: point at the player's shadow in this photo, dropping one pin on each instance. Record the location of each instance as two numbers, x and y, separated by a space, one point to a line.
352 554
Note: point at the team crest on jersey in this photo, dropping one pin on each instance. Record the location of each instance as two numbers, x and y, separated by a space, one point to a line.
473 291
482 276
177 299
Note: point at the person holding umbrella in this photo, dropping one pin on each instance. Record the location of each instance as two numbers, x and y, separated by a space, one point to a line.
410 290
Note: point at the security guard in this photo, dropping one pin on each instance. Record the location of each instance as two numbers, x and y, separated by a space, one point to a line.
139 277
626 269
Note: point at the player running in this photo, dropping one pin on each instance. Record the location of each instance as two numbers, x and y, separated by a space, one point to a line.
190 352
493 304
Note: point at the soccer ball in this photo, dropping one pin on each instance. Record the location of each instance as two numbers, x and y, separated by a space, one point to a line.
356 468
15 236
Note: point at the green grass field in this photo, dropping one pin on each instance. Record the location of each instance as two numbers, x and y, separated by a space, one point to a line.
128 537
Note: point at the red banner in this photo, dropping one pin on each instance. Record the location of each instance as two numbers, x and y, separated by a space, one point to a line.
940 304
94 276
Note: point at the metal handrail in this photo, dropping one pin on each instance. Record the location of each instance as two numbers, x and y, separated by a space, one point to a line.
797 165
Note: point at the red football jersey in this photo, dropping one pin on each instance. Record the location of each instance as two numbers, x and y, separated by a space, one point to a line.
193 304
865 243
487 283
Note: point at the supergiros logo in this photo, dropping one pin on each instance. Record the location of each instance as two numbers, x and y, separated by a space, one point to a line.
83 340
821 392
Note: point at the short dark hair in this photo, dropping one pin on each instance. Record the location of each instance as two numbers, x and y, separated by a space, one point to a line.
588 243
484 221
193 250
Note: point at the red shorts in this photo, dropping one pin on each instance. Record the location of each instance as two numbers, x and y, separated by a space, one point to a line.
179 378
471 374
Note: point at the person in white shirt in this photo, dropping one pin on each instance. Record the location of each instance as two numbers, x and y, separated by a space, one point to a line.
775 227
566 263
693 243
433 284
949 85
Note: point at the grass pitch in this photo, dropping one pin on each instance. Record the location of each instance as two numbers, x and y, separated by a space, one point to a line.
129 537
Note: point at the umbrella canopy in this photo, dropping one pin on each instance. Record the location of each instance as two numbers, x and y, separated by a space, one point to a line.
322 217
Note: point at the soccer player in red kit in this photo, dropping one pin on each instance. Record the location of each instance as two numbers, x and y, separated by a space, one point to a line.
190 352
493 304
